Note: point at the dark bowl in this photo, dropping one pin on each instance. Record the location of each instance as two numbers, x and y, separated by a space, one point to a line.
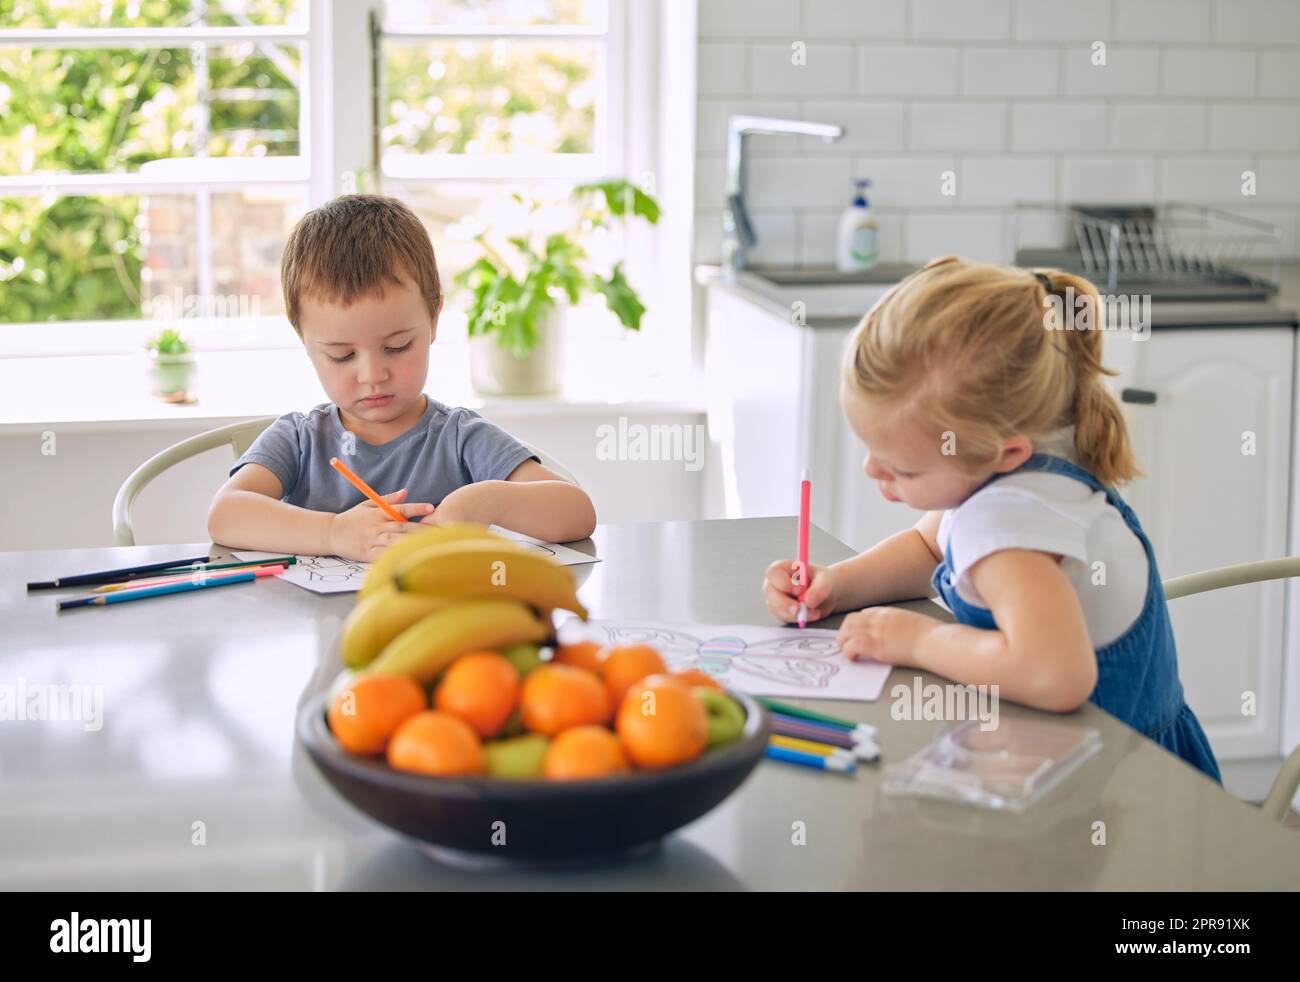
543 820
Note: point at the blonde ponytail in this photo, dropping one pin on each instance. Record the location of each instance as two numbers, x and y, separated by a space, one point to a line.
988 352
1101 440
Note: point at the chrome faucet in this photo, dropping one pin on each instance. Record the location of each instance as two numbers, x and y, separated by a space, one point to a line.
737 231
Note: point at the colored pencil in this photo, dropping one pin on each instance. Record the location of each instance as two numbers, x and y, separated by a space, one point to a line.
224 569
808 746
184 586
863 751
366 489
111 575
842 765
812 731
805 501
785 709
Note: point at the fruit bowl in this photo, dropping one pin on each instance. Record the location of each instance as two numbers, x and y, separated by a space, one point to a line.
535 820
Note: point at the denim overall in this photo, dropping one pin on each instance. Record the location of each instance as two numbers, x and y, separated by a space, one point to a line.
1137 673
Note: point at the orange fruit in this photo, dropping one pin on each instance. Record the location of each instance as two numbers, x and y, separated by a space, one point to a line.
436 743
365 714
670 728
693 677
481 688
580 654
556 697
581 752
625 666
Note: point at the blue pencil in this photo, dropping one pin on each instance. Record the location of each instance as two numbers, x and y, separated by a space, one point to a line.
841 764
122 596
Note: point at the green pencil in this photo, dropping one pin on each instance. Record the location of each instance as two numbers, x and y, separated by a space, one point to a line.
786 709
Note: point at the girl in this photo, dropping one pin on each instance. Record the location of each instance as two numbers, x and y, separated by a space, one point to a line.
978 393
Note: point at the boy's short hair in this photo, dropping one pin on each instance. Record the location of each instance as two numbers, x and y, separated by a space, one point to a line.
351 247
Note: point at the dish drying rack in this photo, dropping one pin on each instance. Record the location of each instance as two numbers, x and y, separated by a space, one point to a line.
1168 242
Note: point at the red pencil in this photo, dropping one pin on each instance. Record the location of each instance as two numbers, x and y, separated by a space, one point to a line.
805 502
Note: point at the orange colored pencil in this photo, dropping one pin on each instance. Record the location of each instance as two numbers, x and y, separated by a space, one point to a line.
366 489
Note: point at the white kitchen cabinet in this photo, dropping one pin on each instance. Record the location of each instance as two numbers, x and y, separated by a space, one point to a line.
774 409
1216 447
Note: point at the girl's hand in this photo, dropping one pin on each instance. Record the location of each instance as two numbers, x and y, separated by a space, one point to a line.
472 503
782 595
361 533
884 634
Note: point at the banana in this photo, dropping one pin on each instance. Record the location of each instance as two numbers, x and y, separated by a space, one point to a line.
489 569
379 618
382 569
431 644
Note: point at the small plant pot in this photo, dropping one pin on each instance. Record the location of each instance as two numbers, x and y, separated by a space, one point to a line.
173 376
498 371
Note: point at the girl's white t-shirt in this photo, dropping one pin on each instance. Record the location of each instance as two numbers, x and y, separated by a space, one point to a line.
1057 514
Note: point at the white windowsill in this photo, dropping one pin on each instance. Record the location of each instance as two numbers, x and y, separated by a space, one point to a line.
609 372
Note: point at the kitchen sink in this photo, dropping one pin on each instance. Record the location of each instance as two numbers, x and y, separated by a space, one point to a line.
884 273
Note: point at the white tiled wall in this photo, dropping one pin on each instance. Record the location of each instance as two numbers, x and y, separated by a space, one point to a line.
1005 94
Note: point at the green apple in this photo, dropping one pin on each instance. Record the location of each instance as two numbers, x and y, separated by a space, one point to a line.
518 757
525 657
726 718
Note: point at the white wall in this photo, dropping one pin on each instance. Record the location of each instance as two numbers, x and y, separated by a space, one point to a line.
1003 92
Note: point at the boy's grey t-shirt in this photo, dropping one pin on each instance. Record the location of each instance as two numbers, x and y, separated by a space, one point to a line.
448 448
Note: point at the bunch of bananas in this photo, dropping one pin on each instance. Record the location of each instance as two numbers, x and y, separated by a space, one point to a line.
448 590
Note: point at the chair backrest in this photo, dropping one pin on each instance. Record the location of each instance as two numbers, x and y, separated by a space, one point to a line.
239 437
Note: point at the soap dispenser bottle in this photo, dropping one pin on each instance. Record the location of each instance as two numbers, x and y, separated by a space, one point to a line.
855 248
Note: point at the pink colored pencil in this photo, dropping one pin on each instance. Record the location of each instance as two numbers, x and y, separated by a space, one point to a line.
805 503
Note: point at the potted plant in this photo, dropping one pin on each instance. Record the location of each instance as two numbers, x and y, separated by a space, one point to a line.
172 365
514 313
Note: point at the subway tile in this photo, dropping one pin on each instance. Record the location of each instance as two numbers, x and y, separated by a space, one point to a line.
1203 178
1004 180
979 235
750 18
819 68
1250 126
710 181
778 238
907 70
906 182
798 182
1128 70
854 19
868 124
1063 20
1279 74
1157 126
1108 179
721 68
1220 72
961 20
1010 70
1174 21
958 126
1278 179
1257 21
1074 125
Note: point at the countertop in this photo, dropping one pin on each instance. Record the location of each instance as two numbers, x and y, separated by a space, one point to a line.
842 304
193 780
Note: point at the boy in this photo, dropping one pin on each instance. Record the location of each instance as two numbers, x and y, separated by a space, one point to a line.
361 288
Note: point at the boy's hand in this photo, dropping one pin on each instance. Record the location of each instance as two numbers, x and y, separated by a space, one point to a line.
782 595
472 503
884 634
363 532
